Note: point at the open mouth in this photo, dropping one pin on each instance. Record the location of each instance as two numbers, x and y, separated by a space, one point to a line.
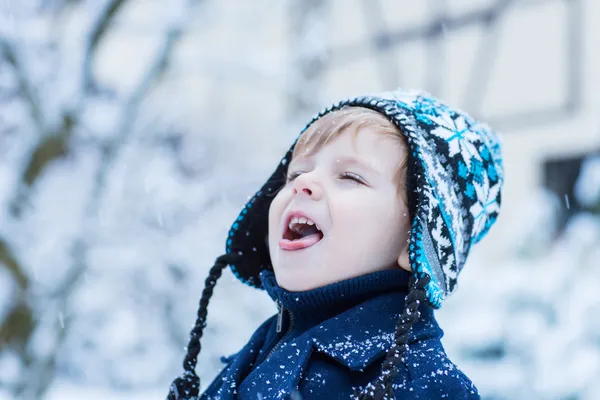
300 233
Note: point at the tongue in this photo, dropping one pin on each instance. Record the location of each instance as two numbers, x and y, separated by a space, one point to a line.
301 243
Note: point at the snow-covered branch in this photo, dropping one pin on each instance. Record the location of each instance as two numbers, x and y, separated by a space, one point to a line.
109 155
97 33
10 261
14 58
130 111
53 142
110 152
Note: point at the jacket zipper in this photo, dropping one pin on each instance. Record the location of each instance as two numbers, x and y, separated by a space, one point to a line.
281 309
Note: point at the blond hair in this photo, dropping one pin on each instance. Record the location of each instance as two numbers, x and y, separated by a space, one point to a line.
333 124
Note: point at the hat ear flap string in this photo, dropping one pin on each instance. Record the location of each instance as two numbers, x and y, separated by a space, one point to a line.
381 388
187 386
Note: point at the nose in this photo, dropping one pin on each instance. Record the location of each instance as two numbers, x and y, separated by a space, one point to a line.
305 184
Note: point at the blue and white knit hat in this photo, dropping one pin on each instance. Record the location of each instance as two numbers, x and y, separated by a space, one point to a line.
456 177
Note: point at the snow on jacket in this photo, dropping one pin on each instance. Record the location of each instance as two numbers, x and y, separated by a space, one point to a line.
325 342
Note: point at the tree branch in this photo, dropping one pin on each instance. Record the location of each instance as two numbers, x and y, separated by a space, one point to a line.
96 35
9 260
110 153
49 148
131 109
54 145
26 87
80 246
18 324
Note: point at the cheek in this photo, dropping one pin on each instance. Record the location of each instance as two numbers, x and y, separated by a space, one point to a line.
380 219
350 212
399 225
276 210
272 215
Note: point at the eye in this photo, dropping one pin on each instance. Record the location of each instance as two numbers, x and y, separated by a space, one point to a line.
293 176
352 176
344 176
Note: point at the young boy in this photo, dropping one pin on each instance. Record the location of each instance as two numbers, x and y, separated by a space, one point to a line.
358 235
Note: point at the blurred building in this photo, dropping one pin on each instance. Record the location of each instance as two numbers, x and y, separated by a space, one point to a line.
528 68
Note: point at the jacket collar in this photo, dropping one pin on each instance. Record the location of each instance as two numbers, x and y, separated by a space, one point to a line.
353 321
355 337
375 324
311 307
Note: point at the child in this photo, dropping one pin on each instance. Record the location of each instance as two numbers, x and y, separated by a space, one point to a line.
358 235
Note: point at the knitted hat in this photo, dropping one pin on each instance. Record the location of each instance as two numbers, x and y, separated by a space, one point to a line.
457 174
454 178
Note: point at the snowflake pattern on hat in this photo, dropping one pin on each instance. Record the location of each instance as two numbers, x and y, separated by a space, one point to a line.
456 192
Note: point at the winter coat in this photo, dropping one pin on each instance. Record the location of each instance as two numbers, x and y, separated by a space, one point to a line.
325 342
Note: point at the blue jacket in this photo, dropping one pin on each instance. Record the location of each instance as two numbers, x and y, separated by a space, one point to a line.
327 341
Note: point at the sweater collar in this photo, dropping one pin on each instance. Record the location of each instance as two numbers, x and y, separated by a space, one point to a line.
314 306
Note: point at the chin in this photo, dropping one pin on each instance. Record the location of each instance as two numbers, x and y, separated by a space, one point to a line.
293 283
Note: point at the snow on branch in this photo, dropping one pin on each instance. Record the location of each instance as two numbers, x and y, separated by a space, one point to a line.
53 143
129 115
110 153
97 33
14 58
10 262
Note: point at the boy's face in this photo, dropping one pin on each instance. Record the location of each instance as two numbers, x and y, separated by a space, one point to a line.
365 225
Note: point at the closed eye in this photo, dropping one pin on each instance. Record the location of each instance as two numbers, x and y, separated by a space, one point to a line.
352 176
292 176
344 175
